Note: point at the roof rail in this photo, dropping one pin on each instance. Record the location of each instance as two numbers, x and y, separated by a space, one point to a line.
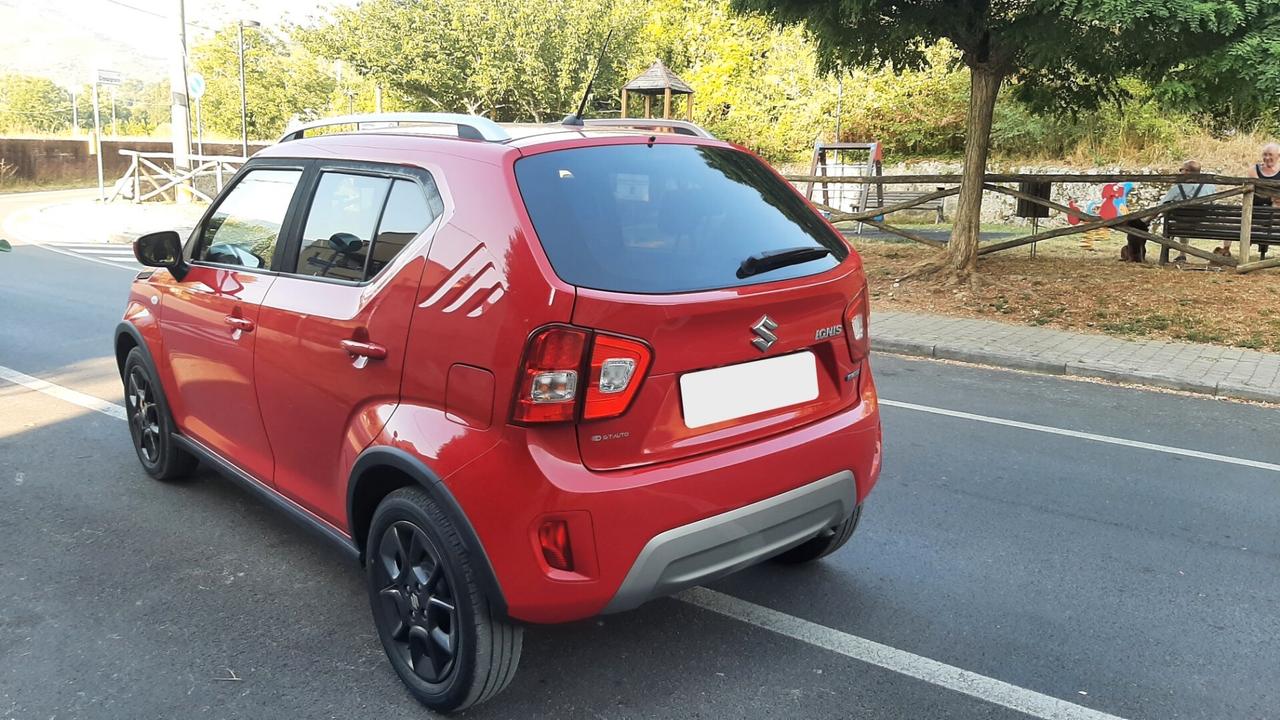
679 127
471 127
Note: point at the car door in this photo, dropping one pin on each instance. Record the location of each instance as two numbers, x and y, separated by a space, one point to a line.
334 326
209 317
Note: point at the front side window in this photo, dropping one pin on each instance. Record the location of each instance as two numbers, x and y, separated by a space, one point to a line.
245 227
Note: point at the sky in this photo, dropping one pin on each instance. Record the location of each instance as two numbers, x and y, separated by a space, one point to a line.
66 40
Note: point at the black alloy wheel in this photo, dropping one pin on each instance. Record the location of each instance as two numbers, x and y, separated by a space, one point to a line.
144 416
417 605
150 425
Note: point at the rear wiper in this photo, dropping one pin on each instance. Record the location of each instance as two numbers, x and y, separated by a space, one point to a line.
774 259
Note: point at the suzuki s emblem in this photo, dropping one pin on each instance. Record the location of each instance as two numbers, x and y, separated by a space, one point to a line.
763 329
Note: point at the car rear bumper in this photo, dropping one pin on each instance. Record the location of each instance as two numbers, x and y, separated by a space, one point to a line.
641 532
721 544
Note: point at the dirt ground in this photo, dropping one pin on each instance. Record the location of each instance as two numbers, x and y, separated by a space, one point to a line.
1071 287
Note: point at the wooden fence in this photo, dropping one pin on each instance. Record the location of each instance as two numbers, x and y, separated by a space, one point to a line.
1245 188
154 175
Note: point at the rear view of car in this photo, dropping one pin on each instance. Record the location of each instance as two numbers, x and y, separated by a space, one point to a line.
527 374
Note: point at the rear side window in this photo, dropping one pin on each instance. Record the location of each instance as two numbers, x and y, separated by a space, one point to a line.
670 218
340 225
245 226
358 223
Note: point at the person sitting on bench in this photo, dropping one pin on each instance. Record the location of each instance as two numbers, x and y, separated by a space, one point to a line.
1136 250
1268 169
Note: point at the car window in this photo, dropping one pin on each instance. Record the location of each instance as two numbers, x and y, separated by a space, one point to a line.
340 225
245 226
669 218
406 216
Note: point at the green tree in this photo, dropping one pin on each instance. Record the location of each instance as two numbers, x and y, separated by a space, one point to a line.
282 82
754 83
526 60
1064 53
33 104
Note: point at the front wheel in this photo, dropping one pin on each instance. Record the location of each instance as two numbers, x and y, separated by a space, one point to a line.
826 543
150 425
431 614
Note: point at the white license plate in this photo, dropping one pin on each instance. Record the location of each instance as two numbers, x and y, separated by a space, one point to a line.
712 396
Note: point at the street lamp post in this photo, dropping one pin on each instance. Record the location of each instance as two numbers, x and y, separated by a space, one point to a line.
244 114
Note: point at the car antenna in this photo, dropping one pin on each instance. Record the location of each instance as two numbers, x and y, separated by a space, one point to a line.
575 119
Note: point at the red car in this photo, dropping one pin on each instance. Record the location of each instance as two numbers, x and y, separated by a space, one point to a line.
525 374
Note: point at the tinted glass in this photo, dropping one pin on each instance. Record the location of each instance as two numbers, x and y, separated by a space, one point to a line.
340 225
406 216
245 226
667 218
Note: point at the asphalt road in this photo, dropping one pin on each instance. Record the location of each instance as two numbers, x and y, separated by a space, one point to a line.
1133 582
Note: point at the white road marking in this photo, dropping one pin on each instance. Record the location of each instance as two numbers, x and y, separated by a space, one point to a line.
78 256
75 397
1154 447
902 662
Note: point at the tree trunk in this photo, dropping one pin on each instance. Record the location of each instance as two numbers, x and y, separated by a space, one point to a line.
962 252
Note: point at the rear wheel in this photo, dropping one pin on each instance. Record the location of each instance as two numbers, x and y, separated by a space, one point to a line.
432 616
150 424
826 543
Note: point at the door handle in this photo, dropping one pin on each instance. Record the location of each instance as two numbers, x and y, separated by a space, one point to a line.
362 352
239 326
240 323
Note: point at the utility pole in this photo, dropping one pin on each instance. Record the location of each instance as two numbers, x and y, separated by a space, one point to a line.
181 117
115 128
97 140
75 114
377 98
244 112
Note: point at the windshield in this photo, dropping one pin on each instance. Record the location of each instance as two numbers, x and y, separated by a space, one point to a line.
669 218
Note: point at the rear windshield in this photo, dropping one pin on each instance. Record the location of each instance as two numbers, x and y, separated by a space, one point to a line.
669 218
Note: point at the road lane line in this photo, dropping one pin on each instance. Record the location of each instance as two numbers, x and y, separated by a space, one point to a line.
902 662
1154 447
78 256
74 397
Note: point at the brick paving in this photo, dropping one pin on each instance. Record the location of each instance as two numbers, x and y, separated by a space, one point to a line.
1209 369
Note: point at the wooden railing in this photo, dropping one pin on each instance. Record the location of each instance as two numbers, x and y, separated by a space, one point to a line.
154 175
1245 188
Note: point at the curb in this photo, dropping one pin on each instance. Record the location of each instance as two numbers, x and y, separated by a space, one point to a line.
1097 371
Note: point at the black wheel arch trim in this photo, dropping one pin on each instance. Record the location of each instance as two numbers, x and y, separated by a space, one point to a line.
383 456
127 328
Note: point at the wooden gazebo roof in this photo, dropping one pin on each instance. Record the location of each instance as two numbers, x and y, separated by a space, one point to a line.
657 80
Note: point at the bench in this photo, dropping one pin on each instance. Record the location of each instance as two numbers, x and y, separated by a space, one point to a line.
1221 222
893 197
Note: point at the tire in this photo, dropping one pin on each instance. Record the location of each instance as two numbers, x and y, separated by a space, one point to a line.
824 544
431 613
150 424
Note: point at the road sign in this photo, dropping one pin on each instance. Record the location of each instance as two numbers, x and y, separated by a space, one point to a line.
109 77
195 85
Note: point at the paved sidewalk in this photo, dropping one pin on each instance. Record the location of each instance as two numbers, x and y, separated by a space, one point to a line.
1208 369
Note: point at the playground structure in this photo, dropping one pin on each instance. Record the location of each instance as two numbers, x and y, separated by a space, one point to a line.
859 160
1081 222
659 81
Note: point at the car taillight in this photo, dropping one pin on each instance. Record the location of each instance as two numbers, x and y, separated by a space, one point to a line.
856 320
618 366
551 387
548 385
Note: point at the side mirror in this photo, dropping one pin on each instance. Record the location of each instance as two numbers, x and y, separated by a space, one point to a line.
5 246
161 249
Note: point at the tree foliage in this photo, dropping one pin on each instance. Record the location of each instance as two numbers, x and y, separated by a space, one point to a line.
33 104
282 82
1063 54
526 60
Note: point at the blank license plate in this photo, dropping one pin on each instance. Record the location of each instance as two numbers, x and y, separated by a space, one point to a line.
712 396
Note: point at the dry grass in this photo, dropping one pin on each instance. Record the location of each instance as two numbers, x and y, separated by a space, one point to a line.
1068 287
